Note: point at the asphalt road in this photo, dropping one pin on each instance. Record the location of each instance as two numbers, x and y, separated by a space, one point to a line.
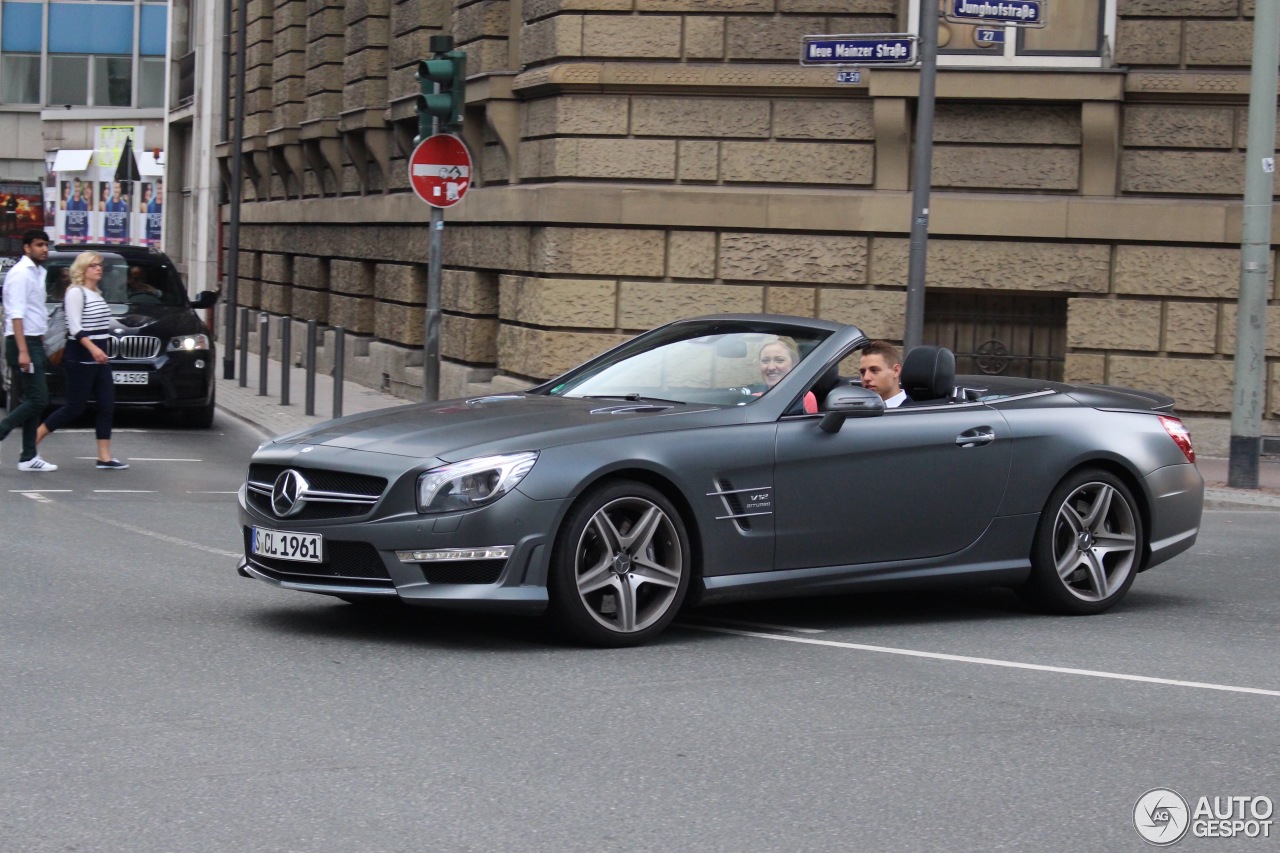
154 701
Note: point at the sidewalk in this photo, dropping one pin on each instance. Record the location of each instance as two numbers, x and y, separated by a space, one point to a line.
266 413
268 416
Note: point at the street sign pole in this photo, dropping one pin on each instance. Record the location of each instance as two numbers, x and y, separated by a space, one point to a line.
431 339
1250 367
922 176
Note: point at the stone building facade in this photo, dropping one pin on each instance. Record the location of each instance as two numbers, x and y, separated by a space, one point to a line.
644 160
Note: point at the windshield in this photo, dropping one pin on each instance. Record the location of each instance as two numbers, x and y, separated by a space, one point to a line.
130 282
726 368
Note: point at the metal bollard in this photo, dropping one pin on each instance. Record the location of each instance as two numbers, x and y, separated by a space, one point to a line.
286 349
339 349
244 346
311 368
264 348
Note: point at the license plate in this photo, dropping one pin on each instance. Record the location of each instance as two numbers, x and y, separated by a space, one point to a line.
138 377
301 547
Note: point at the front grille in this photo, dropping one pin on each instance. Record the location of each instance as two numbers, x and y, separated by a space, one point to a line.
262 477
326 481
464 571
137 347
344 561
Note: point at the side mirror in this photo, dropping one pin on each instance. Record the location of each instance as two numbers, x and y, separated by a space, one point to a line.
849 401
206 299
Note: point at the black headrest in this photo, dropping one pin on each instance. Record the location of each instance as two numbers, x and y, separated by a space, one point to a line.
829 379
928 373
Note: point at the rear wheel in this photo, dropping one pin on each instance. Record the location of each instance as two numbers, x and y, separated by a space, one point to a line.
621 566
1088 545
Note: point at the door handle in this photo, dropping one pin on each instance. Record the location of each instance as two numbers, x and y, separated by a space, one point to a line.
976 437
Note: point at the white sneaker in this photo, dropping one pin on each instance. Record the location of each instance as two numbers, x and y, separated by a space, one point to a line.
35 463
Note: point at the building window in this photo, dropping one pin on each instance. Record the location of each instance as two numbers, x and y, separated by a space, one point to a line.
112 81
68 81
1075 35
20 78
150 82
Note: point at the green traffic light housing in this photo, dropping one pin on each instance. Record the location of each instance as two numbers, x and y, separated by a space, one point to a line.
443 85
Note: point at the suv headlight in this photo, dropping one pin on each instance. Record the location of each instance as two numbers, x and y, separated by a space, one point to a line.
473 483
188 343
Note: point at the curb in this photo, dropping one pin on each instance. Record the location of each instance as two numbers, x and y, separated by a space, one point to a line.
1241 499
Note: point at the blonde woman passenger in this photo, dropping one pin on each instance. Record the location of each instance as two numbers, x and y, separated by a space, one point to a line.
777 358
85 362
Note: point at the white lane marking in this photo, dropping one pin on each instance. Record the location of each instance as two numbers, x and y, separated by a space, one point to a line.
126 491
764 625
39 491
147 459
37 496
213 493
1062 670
161 536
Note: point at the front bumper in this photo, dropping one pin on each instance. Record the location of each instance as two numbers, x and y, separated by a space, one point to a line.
360 556
174 380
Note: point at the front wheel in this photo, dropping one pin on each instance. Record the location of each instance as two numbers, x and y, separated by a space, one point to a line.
1088 545
621 566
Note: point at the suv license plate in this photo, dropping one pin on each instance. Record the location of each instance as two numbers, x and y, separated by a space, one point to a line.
301 547
130 378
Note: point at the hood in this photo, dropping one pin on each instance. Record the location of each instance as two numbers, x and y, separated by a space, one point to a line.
459 429
162 321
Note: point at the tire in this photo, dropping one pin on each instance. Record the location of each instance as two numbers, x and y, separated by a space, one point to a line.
1088 545
200 417
621 566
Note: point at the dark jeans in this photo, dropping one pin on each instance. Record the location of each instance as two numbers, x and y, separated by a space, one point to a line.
83 380
35 394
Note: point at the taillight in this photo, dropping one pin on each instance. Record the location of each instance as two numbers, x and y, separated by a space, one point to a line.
1181 436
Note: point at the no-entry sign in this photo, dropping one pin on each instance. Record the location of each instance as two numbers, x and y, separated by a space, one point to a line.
440 170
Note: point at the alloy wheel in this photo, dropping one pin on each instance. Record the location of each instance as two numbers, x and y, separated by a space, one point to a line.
1095 542
629 564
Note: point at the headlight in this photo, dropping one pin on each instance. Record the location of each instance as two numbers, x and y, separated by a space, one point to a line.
187 343
473 483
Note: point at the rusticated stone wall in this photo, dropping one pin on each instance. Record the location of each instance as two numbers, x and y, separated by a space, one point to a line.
1182 148
643 160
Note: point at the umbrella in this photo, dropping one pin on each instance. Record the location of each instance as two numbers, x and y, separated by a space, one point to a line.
127 168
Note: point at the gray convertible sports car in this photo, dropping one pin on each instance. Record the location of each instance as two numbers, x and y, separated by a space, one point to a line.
678 469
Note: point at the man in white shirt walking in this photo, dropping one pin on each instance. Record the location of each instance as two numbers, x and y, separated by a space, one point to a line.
26 319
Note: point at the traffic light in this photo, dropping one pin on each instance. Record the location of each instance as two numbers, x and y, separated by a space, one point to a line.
443 91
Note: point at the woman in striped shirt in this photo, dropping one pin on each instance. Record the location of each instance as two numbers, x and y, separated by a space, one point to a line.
84 361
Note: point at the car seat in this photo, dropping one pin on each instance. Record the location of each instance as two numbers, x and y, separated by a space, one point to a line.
928 374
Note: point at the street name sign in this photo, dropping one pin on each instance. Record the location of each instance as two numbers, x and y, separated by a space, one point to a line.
1012 13
879 49
440 170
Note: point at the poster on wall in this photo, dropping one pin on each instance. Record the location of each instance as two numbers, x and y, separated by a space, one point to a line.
111 193
75 196
115 211
150 214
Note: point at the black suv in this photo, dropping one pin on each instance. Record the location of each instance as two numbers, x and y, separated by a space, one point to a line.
162 353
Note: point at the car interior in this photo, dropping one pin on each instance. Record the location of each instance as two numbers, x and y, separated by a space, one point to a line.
158 289
928 376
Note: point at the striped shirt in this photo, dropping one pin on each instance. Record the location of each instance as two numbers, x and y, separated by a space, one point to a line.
87 313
